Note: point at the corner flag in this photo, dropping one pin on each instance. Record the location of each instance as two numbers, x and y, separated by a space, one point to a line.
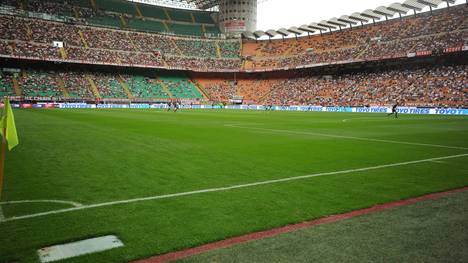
8 125
8 128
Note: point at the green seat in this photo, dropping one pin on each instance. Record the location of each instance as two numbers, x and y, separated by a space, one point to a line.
212 29
82 3
179 15
117 6
146 25
107 21
185 29
152 11
145 88
181 87
203 17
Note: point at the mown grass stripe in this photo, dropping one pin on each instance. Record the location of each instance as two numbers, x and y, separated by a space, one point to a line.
227 188
349 137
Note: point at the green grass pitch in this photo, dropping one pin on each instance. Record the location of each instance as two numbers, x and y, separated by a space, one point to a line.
95 157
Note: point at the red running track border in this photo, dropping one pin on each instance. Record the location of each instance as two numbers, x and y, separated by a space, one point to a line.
290 228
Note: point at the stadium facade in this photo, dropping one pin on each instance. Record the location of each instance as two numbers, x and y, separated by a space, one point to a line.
114 51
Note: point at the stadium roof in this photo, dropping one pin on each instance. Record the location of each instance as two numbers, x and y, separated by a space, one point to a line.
203 4
187 4
366 16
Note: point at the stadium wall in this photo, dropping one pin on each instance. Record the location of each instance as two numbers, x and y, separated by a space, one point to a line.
400 110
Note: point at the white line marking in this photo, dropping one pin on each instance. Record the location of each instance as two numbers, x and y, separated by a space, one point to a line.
227 188
440 162
347 137
2 216
75 204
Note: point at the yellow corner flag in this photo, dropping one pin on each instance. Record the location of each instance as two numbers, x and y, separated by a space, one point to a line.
8 125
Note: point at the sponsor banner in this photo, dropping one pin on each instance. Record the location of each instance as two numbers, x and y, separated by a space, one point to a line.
450 111
423 53
413 110
49 105
338 109
158 106
453 49
234 26
26 106
76 106
123 106
112 106
139 106
373 109
44 105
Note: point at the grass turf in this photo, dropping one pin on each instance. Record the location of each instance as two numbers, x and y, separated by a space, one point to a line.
430 231
95 156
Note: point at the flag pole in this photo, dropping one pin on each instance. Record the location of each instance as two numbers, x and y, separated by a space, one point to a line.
2 161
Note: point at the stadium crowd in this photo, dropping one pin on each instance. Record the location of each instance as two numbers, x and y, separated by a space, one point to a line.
444 86
100 45
394 38
220 91
437 87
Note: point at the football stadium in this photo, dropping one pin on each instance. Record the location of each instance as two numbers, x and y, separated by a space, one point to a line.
179 131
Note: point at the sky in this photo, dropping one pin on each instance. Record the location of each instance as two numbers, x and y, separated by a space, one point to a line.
275 14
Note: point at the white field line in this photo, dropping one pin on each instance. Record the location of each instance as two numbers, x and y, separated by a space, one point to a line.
346 137
75 204
227 188
2 216
441 162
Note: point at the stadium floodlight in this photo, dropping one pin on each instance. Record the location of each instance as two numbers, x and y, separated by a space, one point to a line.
382 10
349 20
371 14
248 35
271 33
414 5
318 27
336 22
296 31
359 17
450 2
283 32
430 3
307 29
259 33
399 8
325 23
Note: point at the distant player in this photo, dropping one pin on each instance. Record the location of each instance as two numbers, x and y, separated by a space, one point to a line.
169 106
394 110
